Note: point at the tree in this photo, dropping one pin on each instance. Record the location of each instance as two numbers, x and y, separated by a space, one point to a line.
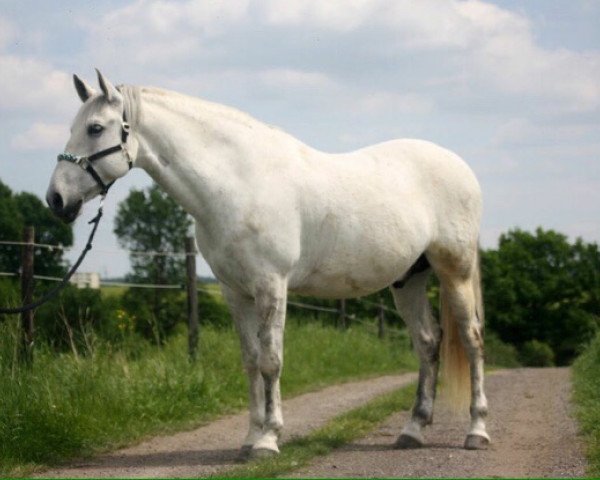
150 221
539 287
17 211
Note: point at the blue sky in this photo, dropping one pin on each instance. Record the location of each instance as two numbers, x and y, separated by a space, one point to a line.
513 87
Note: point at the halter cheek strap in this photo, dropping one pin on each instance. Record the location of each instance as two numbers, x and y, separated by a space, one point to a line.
86 162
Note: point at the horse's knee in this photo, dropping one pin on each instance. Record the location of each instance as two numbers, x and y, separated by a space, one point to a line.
250 359
270 364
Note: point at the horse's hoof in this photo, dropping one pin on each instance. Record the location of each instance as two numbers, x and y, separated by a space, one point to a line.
476 442
405 442
260 453
244 454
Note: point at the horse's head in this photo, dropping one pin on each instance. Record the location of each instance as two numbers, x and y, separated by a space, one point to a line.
97 152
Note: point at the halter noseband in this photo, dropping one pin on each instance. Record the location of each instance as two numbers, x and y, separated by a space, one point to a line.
86 162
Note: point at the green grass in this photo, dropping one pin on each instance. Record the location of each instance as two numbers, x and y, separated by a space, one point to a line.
586 380
112 291
71 405
337 432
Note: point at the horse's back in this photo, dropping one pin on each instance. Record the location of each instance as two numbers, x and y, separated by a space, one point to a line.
402 179
371 213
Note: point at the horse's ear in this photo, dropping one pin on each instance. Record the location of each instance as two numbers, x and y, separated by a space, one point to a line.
108 89
83 89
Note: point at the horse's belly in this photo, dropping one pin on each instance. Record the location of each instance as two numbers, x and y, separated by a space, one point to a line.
353 282
346 285
353 267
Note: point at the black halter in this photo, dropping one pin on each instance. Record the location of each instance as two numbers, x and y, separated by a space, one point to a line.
86 162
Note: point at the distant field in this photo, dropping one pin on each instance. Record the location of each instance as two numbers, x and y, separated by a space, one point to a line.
115 291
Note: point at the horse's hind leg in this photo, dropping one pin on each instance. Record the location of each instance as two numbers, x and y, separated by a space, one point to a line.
411 300
462 311
462 303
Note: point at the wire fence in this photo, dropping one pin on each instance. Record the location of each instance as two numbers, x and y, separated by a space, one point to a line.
115 252
181 286
379 308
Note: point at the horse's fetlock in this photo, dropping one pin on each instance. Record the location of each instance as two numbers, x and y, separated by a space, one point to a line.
274 425
424 414
479 411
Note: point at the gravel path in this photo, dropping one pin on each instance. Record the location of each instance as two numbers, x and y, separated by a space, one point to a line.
533 435
214 447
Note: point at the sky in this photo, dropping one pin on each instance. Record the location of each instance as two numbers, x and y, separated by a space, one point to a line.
513 87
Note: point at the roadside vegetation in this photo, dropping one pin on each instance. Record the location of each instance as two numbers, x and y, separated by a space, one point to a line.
586 379
70 404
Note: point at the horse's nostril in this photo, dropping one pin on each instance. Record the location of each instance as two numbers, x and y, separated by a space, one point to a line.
57 202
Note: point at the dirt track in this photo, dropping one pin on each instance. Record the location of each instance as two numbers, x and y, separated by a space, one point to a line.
215 447
532 434
530 426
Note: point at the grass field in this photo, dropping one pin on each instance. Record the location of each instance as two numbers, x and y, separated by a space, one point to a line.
66 405
586 378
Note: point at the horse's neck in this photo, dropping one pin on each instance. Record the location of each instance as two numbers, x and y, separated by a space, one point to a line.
194 150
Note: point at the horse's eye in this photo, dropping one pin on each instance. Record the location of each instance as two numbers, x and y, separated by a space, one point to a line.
95 129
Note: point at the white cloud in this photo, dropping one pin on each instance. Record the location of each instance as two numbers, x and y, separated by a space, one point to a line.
34 85
409 103
424 24
523 132
8 32
158 32
41 136
343 16
292 78
494 48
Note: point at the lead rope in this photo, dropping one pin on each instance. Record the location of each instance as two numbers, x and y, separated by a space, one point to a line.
54 291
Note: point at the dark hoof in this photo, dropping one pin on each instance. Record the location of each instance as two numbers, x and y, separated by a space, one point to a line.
244 454
405 442
259 453
476 442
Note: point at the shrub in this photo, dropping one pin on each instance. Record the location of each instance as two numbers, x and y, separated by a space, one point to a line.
9 293
498 353
586 382
212 312
536 354
71 320
155 313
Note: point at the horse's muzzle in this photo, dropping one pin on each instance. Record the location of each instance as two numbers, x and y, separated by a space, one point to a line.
66 212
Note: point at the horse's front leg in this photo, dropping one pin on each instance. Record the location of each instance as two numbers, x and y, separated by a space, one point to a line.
243 311
260 323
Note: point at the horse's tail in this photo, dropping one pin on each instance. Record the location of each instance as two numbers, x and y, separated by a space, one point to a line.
456 375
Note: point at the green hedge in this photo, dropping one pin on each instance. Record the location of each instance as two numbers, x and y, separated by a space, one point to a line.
586 381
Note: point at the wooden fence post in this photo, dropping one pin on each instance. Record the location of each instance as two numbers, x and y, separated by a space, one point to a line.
192 297
27 328
381 318
343 317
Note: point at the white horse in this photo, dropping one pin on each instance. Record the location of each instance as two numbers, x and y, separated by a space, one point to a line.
274 215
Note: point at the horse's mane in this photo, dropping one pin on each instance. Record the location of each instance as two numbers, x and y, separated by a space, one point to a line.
132 103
